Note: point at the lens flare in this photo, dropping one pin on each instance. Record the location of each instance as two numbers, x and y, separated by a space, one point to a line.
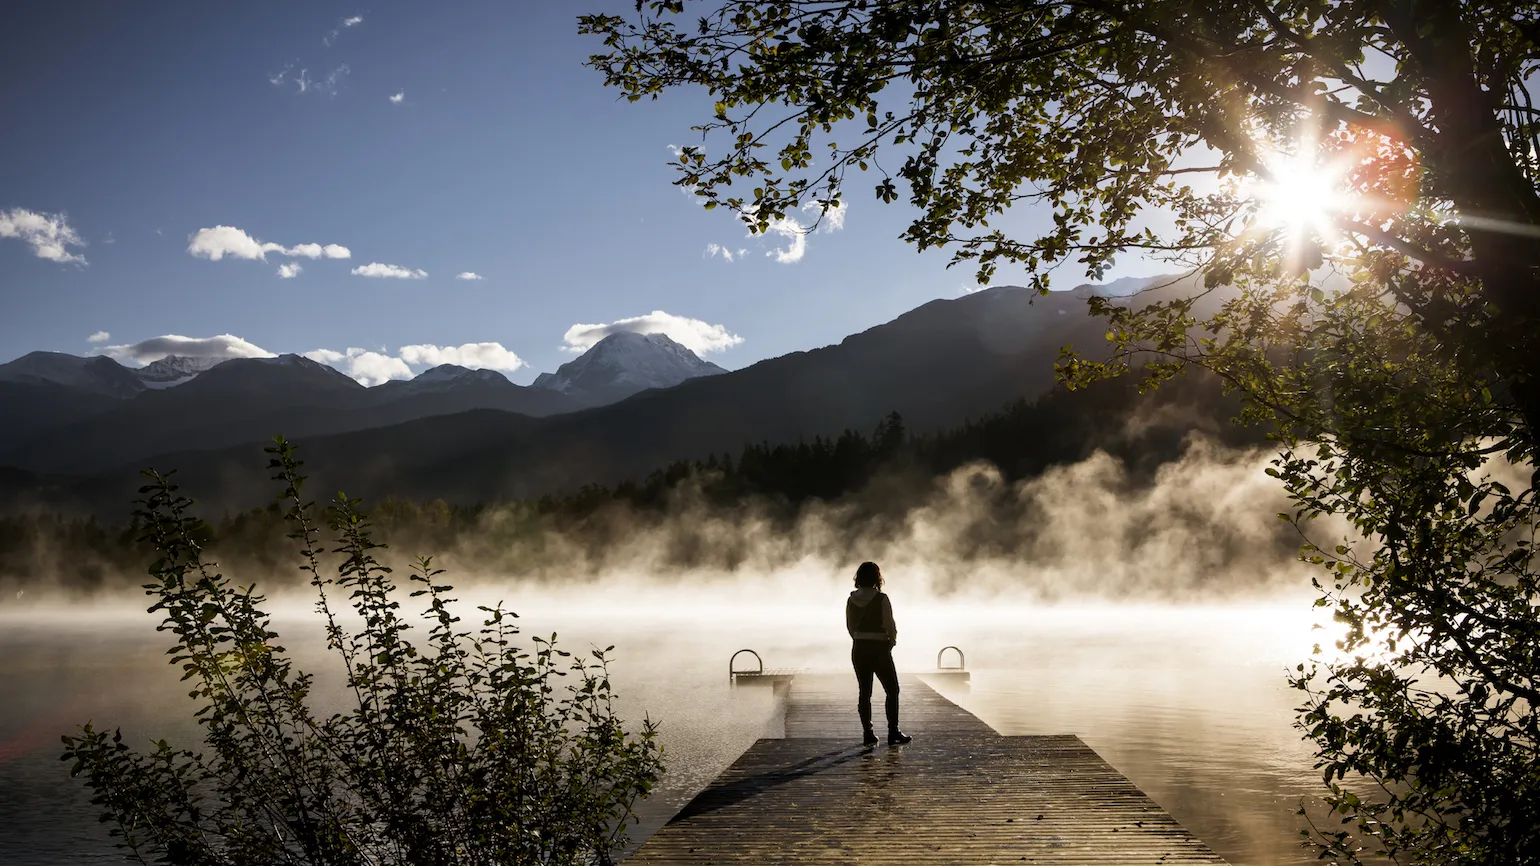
1298 194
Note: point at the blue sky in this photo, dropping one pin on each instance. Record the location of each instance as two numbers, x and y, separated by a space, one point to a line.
134 127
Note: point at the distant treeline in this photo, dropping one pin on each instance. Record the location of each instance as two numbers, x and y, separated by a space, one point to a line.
868 477
1022 440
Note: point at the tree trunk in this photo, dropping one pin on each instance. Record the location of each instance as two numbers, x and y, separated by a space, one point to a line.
1478 173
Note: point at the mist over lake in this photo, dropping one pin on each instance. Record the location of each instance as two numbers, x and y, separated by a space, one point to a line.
1187 700
1144 613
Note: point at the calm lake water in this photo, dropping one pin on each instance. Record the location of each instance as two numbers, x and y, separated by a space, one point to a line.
1190 702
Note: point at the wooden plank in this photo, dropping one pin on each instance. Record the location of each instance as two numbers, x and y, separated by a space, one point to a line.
959 794
824 705
944 799
771 677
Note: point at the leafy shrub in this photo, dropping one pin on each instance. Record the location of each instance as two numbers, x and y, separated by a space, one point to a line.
464 749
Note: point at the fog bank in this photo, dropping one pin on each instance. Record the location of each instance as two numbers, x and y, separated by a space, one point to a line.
1201 527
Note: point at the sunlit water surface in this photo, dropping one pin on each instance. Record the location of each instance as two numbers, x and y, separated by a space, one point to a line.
1189 702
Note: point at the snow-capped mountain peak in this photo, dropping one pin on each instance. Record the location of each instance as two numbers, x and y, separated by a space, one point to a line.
175 369
623 364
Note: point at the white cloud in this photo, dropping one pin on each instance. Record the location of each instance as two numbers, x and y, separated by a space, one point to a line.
220 241
833 219
375 367
697 336
796 233
301 80
469 275
99 337
333 81
221 346
326 356
719 250
366 367
49 235
278 77
303 83
397 98
384 271
288 271
312 251
351 21
476 356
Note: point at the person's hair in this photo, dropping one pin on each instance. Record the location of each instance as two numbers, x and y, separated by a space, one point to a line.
868 574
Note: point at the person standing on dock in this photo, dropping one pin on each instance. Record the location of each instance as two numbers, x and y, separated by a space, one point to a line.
869 619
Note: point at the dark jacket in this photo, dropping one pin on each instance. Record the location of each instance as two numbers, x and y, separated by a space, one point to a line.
869 616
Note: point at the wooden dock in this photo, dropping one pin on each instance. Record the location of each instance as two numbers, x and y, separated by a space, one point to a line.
824 705
959 794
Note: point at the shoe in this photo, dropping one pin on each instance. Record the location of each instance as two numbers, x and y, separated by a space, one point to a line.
869 738
898 738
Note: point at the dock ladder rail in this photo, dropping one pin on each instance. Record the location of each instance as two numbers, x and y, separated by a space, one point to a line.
759 676
957 673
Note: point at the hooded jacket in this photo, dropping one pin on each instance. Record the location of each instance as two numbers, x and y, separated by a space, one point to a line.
862 620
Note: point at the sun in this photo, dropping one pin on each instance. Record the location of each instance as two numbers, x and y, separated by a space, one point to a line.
1296 193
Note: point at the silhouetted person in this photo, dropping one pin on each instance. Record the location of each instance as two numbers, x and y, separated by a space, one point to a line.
869 619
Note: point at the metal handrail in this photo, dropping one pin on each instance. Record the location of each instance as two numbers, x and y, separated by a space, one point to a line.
731 672
962 662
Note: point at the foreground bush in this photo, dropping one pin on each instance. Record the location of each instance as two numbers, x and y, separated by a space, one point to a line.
459 749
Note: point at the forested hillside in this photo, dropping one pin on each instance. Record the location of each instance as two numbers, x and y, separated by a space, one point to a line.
866 477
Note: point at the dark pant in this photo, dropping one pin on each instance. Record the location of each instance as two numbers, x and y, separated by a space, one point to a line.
875 658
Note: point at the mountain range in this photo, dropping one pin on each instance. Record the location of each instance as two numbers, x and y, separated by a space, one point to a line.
57 428
70 414
469 436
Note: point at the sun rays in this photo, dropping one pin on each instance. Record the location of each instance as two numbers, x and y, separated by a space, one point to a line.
1295 195
1299 194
